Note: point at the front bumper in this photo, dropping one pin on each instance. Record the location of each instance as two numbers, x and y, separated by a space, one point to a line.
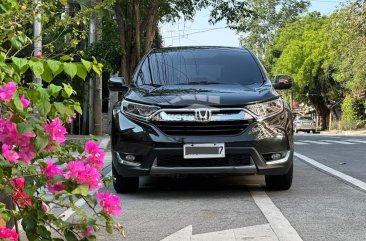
149 144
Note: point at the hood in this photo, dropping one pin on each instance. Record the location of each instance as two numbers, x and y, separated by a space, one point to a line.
208 95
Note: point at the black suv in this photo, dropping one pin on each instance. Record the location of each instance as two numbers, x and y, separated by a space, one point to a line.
201 110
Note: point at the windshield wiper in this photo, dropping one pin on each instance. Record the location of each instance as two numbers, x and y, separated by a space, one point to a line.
200 83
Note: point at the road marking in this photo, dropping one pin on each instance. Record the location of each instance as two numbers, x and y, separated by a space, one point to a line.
358 141
340 142
317 142
279 224
184 234
300 143
358 183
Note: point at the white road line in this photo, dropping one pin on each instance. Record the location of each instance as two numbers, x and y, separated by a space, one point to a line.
338 174
339 142
300 143
317 142
358 141
279 224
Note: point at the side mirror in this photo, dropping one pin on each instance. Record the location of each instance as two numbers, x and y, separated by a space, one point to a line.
283 82
117 84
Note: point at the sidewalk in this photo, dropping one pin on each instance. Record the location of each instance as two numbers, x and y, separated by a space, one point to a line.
351 133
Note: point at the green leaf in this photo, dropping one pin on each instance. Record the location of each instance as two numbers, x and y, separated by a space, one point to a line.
18 104
47 73
37 68
21 64
97 70
43 232
66 58
81 71
24 128
77 108
70 236
44 107
82 189
63 2
15 43
68 89
70 69
54 65
40 142
87 64
54 90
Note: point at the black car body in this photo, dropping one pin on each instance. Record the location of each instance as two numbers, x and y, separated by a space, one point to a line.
201 110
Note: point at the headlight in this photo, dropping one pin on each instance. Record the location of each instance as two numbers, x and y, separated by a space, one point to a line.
138 110
266 109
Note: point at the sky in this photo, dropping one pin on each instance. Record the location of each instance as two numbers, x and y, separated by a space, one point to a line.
200 33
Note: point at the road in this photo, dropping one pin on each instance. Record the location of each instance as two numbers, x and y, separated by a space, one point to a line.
324 203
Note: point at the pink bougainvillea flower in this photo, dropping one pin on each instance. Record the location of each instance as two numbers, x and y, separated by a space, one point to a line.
19 195
8 234
26 149
88 232
96 159
74 115
7 92
45 207
9 153
84 174
24 101
38 55
56 131
68 120
96 155
91 146
9 135
8 132
110 203
52 170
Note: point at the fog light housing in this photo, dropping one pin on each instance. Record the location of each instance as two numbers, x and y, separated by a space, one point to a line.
276 156
130 158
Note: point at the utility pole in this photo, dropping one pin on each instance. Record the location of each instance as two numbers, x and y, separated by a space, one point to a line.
37 34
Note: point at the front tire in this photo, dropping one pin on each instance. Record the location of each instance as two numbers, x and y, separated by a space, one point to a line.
280 182
124 184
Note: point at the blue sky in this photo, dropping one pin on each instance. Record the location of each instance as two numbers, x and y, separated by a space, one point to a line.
200 32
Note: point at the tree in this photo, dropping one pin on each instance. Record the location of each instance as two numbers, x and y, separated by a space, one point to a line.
303 49
138 20
258 32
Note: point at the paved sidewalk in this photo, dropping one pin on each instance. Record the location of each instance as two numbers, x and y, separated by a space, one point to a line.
346 133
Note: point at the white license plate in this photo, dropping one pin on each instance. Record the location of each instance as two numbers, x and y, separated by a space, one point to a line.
212 150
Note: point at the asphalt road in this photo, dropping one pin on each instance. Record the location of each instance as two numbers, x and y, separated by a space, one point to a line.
319 206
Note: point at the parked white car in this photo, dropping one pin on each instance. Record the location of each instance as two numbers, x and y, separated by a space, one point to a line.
304 123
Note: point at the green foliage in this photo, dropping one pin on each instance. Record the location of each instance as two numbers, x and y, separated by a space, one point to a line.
352 109
269 17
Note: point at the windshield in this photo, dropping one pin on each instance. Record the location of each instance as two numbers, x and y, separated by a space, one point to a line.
203 66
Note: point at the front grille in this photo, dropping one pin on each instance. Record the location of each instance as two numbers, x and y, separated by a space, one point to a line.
203 128
179 161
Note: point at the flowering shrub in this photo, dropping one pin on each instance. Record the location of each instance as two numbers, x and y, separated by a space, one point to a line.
39 169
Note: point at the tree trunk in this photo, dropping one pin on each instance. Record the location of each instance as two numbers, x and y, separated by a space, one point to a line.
136 32
98 81
122 31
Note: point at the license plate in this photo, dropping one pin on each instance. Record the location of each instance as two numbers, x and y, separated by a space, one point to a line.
214 150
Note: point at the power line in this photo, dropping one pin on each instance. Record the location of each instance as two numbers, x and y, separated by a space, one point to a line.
203 31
